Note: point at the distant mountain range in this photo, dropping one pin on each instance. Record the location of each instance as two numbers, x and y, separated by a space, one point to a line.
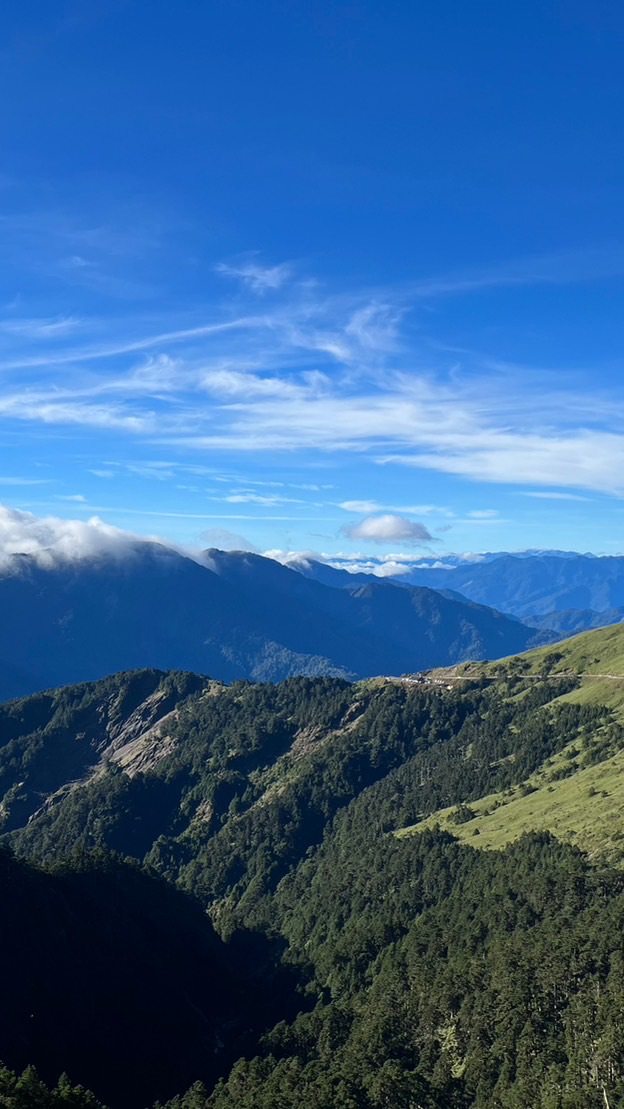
539 585
235 615
558 590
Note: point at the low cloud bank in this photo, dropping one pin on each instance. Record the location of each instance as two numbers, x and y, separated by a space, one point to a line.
388 566
51 541
379 565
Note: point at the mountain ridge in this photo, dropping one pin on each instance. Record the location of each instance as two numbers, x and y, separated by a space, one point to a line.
277 807
560 591
233 616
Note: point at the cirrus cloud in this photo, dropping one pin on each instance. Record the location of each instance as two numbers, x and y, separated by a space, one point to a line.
315 374
360 506
255 276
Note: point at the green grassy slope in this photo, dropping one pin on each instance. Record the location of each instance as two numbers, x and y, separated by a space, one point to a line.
595 652
578 801
586 809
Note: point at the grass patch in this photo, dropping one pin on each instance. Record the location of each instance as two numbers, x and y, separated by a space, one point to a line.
586 809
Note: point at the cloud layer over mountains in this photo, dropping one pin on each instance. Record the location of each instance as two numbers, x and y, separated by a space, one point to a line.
51 540
82 599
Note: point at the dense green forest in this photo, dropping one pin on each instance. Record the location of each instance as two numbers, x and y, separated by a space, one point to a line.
117 973
343 965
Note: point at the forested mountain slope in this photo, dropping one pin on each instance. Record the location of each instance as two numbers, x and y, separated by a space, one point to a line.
437 975
572 621
232 616
561 591
579 793
119 979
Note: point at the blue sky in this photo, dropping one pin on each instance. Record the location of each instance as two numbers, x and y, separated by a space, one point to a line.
315 276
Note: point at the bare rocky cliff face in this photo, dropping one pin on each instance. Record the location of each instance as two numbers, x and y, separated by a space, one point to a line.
72 736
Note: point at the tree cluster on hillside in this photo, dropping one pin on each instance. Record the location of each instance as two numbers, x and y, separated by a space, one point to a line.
431 974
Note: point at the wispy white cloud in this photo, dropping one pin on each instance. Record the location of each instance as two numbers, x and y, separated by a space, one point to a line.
360 506
155 471
322 374
41 328
561 268
409 509
105 351
236 385
375 326
551 495
255 276
475 521
226 540
107 255
583 459
45 409
6 480
157 512
258 498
